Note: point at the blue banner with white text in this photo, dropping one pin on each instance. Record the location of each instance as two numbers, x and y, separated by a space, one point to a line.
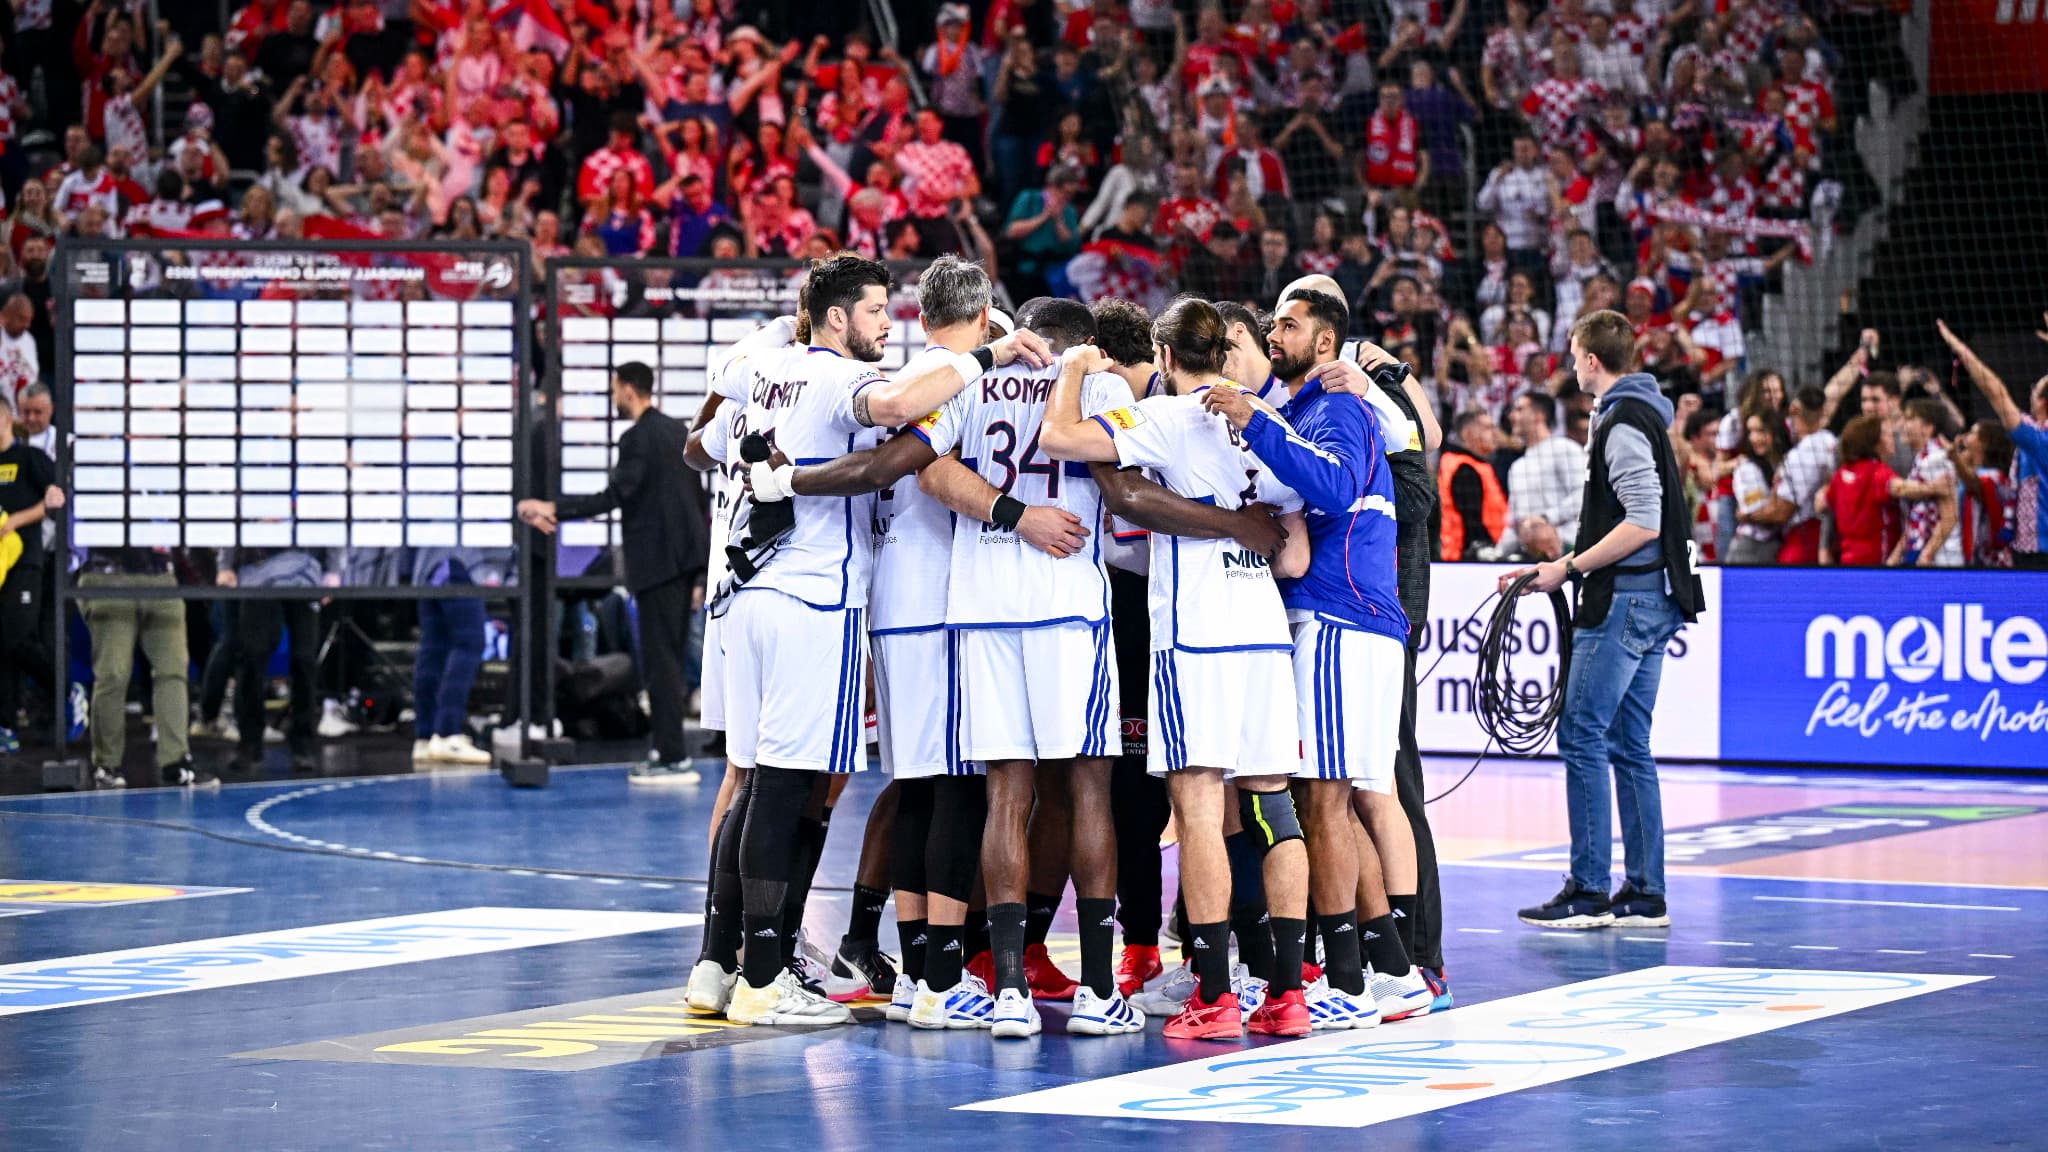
1884 667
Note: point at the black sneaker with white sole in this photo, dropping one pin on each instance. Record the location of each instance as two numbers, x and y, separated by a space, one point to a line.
1633 909
1573 907
184 775
865 960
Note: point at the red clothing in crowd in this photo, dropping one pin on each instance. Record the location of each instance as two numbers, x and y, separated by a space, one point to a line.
1391 151
1866 517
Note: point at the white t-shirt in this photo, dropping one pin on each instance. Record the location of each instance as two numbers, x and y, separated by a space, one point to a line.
19 366
1206 595
722 435
998 580
801 399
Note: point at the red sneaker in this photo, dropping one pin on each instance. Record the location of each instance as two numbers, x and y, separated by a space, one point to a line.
1220 1020
1282 1015
982 965
1044 978
1138 964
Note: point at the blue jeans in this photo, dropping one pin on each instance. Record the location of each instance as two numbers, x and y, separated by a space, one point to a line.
451 651
1608 700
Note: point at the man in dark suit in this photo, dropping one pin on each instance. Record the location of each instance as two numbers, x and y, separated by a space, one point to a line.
663 527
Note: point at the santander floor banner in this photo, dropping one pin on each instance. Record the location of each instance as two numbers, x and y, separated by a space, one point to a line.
1795 666
1687 725
1915 668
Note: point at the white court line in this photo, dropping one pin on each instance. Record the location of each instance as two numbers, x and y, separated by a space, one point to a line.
1534 866
1647 939
1989 956
1886 903
1815 948
1903 951
1731 943
1482 931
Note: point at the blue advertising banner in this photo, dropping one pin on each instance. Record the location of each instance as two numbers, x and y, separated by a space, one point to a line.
1911 668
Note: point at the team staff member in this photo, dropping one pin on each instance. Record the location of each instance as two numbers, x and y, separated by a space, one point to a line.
662 520
1349 627
1636 587
27 475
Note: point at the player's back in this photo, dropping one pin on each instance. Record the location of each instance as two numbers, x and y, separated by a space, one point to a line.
801 401
999 580
1206 595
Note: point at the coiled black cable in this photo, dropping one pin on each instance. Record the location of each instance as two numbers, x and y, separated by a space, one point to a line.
1520 722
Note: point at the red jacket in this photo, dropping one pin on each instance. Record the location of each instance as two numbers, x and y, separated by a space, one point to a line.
1867 522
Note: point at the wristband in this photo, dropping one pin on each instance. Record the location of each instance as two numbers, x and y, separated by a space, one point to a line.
1006 513
1571 572
968 366
984 356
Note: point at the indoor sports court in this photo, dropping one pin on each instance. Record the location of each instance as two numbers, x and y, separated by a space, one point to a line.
1853 960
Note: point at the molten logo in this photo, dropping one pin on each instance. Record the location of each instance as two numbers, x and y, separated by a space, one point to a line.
1962 645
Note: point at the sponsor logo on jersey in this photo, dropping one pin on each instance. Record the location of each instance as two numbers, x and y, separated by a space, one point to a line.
1124 419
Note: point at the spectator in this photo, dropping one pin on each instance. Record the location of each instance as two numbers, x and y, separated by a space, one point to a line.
1859 498
2029 433
1814 457
594 179
36 285
1553 104
953 68
1521 299
1023 99
1276 268
1609 61
1474 508
1983 464
1439 112
1310 153
1758 514
289 52
1045 229
1394 157
534 167
1545 485
1138 171
20 365
1217 269
1881 397
1929 490
451 652
694 214
937 173
1517 198
777 227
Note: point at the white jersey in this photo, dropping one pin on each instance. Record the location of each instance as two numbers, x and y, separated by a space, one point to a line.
801 399
998 580
1206 595
1402 434
913 555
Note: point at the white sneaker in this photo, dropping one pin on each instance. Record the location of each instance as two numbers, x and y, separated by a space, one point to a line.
1251 991
424 750
1014 1017
271 735
1400 997
902 999
458 749
108 778
785 1002
1166 1000
1110 1015
814 968
1332 1009
334 721
710 987
964 1005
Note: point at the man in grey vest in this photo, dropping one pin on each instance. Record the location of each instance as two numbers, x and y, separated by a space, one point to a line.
1633 569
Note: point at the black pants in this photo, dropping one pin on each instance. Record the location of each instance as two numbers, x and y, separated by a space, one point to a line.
257 630
1138 805
1408 787
222 660
22 652
664 631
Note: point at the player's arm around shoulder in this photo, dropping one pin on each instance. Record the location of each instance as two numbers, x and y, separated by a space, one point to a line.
935 376
1067 435
1292 560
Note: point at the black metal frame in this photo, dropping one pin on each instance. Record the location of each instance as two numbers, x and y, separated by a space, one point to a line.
520 594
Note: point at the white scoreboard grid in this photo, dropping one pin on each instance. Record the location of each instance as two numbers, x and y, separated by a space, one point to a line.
673 316
256 396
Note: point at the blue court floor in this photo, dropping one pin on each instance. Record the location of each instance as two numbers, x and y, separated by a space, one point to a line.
532 999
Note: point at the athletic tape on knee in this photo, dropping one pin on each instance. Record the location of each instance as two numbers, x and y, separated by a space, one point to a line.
1268 818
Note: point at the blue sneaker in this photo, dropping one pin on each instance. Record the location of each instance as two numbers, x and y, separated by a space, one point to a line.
78 710
1573 907
1110 1015
964 1005
1439 985
9 743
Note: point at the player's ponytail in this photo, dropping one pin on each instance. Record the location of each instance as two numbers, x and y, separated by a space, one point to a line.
1194 330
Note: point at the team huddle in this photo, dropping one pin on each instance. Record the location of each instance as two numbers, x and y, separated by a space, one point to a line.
1038 531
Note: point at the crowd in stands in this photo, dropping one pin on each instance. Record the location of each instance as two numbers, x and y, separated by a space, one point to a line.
1475 174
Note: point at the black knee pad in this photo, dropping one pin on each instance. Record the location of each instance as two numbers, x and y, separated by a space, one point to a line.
959 809
1268 818
908 835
